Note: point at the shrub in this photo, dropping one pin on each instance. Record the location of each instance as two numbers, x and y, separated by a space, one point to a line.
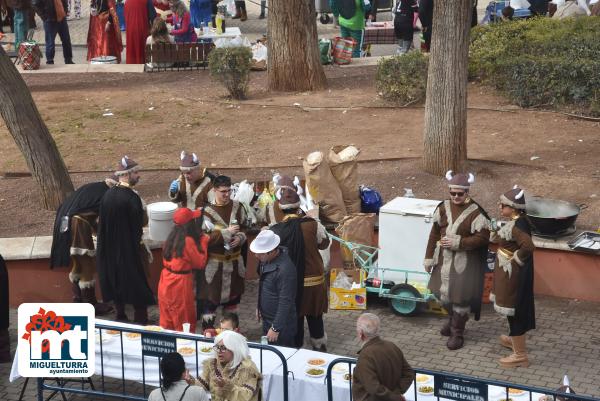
402 79
540 61
231 66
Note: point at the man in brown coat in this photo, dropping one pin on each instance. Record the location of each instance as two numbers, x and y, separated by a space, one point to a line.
381 372
304 237
456 255
191 188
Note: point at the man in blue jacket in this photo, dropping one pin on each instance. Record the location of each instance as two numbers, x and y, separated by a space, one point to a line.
277 289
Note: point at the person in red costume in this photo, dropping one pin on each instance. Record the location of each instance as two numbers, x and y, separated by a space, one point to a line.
185 250
139 15
104 34
183 29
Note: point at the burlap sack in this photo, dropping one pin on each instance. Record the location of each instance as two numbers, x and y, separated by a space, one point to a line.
358 228
323 188
343 165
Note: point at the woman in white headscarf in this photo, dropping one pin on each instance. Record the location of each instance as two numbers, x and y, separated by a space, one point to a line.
231 376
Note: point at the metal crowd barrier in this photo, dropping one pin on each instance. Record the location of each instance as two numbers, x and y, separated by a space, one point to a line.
69 385
458 377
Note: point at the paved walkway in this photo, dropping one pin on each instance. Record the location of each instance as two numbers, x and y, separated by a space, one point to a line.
567 341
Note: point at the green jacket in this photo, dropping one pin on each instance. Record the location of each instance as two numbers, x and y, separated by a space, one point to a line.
356 23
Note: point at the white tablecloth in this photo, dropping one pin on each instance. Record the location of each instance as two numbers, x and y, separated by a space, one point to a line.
229 33
108 362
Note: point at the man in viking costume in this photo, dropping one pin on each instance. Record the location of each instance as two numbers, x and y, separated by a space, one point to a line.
304 237
456 256
191 188
123 259
73 245
222 282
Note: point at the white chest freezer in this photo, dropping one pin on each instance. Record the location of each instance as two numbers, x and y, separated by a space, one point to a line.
404 226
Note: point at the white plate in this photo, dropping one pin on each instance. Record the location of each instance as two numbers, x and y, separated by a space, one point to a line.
209 352
501 395
424 382
183 341
340 368
133 336
106 332
344 378
315 376
424 393
320 365
193 352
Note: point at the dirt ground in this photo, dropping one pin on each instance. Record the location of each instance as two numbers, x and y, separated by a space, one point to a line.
155 116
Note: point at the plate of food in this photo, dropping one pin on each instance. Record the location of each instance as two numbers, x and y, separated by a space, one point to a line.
422 379
133 336
112 332
425 390
515 392
313 362
347 377
154 328
340 368
105 339
505 399
315 372
186 351
205 349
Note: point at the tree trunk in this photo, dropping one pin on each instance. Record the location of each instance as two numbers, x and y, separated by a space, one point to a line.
294 57
32 136
445 133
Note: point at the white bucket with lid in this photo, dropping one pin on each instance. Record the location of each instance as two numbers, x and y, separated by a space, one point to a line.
160 219
104 60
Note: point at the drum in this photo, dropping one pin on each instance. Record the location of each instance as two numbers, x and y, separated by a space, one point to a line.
104 60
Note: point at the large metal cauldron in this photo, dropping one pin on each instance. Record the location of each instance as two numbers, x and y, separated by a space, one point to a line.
552 217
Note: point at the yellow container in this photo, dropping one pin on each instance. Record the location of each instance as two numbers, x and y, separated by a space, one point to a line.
342 299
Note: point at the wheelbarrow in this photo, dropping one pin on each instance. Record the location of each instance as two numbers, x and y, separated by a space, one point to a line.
407 298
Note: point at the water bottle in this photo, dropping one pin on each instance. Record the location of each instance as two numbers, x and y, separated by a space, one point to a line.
264 340
408 193
64 224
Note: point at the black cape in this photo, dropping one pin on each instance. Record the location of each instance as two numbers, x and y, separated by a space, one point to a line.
290 233
119 261
524 318
87 198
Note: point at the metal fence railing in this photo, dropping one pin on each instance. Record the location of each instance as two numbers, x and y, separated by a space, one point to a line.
458 380
63 387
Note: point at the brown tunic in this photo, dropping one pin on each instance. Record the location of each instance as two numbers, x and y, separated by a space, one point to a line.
273 213
456 275
223 278
83 250
314 295
193 195
381 372
515 249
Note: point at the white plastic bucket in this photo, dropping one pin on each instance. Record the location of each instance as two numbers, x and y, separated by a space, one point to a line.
160 219
104 60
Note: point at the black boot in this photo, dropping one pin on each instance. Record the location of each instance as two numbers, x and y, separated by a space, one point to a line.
5 347
263 7
120 315
140 315
89 295
445 330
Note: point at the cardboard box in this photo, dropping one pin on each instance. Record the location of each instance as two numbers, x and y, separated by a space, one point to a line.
342 299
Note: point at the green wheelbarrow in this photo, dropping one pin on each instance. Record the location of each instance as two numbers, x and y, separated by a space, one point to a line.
407 298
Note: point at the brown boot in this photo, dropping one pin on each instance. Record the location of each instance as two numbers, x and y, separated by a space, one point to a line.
445 330
243 15
140 315
120 316
519 355
5 347
457 331
76 291
89 295
505 341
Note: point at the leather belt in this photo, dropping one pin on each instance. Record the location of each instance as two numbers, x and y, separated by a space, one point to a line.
314 281
224 258
179 272
506 253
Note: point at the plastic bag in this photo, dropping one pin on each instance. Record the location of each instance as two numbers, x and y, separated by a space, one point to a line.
342 281
244 192
259 57
238 41
325 49
264 199
342 50
370 200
